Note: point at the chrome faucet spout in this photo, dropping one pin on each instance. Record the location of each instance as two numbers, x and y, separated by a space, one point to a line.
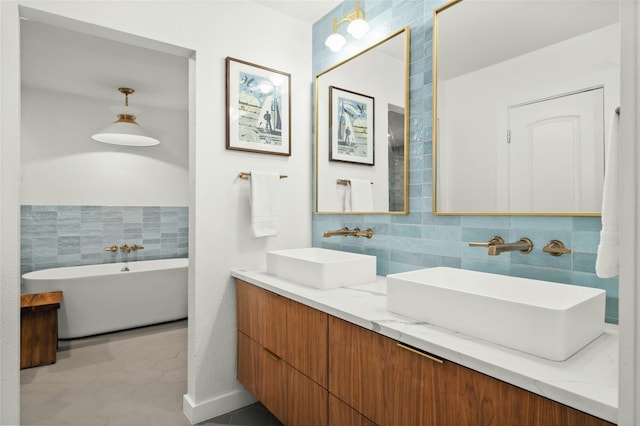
341 231
523 245
355 232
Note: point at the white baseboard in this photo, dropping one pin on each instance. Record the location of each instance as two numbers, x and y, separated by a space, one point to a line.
215 407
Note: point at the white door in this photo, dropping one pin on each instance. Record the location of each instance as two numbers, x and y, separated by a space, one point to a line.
556 154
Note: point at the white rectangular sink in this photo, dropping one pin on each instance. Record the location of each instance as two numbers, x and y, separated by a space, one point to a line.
322 268
546 319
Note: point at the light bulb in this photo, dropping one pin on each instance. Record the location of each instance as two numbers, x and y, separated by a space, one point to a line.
335 42
358 28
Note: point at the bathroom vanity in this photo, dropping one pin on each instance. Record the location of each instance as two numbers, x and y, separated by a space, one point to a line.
338 357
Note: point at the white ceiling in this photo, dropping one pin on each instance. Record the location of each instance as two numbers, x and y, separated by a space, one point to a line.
79 63
306 10
66 61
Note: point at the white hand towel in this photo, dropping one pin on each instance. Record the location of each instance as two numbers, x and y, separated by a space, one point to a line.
607 257
264 203
361 195
347 197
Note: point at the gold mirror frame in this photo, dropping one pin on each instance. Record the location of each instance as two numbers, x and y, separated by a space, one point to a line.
406 131
435 143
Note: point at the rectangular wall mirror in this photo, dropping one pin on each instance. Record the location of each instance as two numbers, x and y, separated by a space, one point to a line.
362 131
524 95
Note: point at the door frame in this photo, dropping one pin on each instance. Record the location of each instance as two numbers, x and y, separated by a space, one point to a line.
11 14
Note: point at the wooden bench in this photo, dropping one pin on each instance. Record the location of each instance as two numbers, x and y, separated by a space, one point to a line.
39 328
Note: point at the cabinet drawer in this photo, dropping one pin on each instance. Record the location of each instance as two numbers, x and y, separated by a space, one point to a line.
263 374
261 315
306 343
249 364
357 365
273 382
417 388
342 414
291 330
288 394
474 396
307 401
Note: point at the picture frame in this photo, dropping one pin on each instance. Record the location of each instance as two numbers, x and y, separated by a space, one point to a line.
351 127
258 101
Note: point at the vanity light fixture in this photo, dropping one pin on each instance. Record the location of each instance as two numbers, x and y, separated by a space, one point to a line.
125 130
357 28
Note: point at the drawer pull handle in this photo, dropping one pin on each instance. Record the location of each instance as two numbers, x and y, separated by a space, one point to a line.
272 355
432 358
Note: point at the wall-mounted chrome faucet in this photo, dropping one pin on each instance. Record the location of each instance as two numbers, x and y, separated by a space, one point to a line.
492 241
523 245
496 245
124 248
556 248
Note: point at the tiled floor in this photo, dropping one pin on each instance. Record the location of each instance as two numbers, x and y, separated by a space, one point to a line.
135 377
253 415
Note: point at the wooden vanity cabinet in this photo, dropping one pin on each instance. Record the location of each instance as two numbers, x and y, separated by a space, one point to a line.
284 349
477 399
282 355
400 385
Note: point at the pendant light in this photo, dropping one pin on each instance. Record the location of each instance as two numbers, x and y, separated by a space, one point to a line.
125 130
358 27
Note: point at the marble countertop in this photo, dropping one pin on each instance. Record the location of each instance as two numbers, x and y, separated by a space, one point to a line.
587 381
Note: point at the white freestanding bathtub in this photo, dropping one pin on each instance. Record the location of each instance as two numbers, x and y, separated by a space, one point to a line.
102 298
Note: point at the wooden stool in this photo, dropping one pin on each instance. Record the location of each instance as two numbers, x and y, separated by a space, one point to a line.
39 328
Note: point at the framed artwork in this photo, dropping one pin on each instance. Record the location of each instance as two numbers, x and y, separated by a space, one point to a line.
351 127
258 108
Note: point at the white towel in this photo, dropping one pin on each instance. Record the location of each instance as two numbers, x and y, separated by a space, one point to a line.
264 203
347 197
361 195
607 257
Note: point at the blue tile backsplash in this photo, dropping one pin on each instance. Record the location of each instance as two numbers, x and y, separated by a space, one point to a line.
56 236
420 239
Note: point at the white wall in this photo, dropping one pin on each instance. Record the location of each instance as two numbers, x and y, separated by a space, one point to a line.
9 216
62 165
475 109
629 197
220 239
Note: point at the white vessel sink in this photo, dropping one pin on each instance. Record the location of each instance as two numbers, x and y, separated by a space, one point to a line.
542 318
322 268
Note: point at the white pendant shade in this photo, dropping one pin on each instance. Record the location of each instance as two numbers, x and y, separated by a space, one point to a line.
125 131
128 134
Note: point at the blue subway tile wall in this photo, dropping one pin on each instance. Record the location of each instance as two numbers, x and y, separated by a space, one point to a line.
420 239
56 236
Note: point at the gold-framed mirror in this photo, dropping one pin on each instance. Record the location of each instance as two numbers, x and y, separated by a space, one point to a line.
524 95
362 131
